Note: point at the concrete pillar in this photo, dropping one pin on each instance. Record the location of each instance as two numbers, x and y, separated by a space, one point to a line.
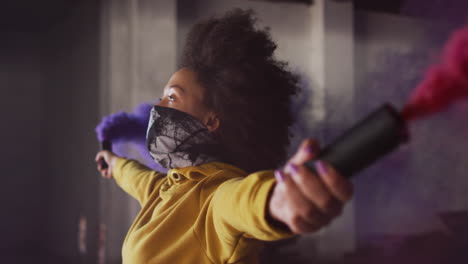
334 76
138 55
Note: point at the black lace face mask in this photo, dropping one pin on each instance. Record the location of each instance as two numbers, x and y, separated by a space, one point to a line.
176 139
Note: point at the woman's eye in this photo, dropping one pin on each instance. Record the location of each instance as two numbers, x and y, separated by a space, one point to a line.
171 98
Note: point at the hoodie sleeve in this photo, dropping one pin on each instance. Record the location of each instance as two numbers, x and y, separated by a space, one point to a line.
136 179
240 207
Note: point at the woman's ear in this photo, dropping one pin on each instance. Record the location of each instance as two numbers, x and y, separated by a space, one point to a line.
212 122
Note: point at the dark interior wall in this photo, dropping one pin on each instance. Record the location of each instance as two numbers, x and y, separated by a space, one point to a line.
31 16
49 79
70 96
21 198
454 12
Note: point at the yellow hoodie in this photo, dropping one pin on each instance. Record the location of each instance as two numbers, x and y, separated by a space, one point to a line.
212 213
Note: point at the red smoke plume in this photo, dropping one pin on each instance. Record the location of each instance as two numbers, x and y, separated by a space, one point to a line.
445 82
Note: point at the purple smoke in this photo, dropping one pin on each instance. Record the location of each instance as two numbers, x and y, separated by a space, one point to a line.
122 128
125 127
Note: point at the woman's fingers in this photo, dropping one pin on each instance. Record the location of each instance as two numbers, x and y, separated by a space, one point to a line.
300 225
106 173
298 212
308 150
98 156
307 200
103 156
311 185
340 187
313 188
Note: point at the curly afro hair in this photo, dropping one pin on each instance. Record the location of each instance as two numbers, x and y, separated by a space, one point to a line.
246 86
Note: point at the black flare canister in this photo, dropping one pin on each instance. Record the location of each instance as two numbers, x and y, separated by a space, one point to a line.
105 145
378 134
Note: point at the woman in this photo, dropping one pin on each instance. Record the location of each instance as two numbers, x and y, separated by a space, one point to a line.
221 126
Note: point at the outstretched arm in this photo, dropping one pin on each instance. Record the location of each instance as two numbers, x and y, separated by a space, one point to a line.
133 177
297 201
